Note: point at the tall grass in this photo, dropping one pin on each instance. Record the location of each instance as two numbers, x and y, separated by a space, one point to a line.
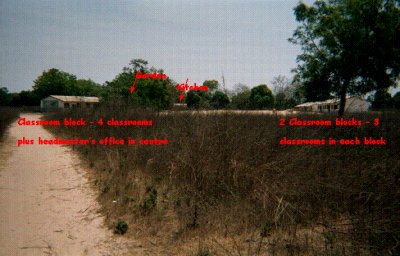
227 176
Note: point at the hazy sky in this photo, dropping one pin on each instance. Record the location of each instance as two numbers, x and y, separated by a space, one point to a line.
198 40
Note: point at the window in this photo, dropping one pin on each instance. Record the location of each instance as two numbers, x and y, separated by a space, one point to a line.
78 105
88 105
66 105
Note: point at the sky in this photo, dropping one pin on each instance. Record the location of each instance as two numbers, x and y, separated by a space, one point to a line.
196 40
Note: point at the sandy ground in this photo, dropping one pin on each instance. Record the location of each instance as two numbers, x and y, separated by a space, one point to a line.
47 206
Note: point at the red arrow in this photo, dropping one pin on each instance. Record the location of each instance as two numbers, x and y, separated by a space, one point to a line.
133 86
181 96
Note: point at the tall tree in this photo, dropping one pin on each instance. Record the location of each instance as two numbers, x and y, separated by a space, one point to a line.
349 47
85 87
158 93
219 100
261 97
54 82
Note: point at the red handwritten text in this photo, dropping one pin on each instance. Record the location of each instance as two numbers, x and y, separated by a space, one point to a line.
140 75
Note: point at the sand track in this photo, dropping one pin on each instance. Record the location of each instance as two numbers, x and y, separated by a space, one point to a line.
46 204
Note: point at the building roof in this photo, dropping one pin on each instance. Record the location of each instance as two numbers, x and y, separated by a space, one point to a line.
75 98
330 101
307 104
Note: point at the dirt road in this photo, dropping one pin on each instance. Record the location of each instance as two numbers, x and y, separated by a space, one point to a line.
46 204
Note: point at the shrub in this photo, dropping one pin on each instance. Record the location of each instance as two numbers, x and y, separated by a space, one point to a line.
150 201
121 227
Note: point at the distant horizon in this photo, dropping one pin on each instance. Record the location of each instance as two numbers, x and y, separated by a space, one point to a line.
246 41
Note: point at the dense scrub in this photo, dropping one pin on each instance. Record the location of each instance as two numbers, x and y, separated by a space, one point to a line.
226 176
7 115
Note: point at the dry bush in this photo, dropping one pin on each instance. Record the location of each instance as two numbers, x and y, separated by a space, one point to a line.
226 175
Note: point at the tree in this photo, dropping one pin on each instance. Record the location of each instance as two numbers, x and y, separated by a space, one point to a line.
261 97
197 99
192 99
281 84
54 82
241 97
382 100
85 87
148 92
349 47
155 93
5 97
139 65
219 100
212 85
24 98
396 100
285 92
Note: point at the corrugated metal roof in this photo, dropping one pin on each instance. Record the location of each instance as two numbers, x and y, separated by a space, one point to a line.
75 98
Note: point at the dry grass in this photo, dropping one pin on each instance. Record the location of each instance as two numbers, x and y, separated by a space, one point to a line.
224 186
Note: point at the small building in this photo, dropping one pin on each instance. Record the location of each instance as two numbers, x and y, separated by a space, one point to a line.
353 104
54 102
179 106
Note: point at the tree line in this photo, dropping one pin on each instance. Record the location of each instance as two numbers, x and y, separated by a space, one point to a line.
348 48
162 94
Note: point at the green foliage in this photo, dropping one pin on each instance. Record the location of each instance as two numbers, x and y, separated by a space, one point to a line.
348 47
155 93
280 100
121 227
193 99
7 115
219 100
197 99
139 65
24 98
241 98
261 97
150 201
85 87
119 86
54 82
212 85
